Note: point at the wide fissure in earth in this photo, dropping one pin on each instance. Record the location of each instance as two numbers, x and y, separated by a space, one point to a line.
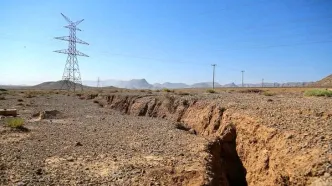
267 152
225 165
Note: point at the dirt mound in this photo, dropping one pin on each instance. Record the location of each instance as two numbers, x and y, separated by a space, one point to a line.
54 85
325 82
48 114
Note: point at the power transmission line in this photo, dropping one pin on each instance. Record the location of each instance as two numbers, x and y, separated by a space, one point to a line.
71 75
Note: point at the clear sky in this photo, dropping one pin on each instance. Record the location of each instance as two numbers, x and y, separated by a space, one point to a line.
169 40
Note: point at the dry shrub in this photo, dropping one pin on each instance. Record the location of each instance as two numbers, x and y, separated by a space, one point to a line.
167 90
20 100
252 90
183 93
113 91
29 96
2 98
92 96
266 93
211 91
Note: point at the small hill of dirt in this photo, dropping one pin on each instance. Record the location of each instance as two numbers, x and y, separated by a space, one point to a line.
54 85
325 82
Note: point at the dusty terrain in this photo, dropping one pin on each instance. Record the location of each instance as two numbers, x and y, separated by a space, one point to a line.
131 138
86 144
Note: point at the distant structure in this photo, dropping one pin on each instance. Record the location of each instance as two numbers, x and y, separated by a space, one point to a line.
98 83
71 76
214 68
242 78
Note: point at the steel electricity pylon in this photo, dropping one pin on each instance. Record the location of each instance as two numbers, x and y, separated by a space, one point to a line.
71 76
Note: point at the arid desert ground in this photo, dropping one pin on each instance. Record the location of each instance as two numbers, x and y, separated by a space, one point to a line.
184 137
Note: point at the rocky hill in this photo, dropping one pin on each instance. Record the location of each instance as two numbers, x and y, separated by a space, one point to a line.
325 82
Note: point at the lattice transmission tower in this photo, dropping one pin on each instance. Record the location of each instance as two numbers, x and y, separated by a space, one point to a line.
71 77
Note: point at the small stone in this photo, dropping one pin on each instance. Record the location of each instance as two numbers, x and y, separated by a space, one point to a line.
289 136
21 184
78 144
326 175
192 131
39 171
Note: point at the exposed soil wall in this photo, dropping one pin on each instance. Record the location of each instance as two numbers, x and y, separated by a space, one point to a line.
262 150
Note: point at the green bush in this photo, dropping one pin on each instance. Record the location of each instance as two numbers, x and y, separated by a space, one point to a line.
166 90
15 122
318 92
210 91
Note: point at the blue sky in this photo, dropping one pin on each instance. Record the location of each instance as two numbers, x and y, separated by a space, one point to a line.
169 40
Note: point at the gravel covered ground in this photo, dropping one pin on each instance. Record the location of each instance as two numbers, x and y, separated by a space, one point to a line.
89 145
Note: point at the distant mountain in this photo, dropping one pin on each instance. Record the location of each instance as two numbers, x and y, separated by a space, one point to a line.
230 85
137 84
170 85
288 84
205 85
325 82
131 84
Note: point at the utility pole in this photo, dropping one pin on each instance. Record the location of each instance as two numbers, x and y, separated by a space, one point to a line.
263 82
98 83
242 78
214 66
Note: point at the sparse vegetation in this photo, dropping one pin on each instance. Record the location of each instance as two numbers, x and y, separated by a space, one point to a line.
211 91
252 90
15 122
318 93
184 93
2 98
29 96
92 96
167 90
266 93
20 100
